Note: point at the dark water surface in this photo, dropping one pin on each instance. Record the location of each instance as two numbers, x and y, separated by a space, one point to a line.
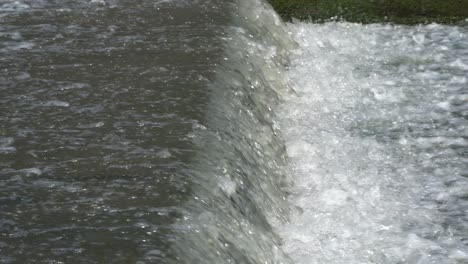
97 104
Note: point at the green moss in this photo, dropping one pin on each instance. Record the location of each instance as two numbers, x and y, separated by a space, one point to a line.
372 11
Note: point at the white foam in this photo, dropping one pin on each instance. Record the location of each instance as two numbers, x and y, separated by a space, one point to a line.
228 186
164 154
374 136
57 103
9 5
17 46
32 172
6 145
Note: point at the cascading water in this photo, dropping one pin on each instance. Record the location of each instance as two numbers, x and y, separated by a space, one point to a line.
377 136
211 132
239 185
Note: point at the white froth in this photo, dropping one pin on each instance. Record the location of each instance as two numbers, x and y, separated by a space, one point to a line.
377 139
6 145
32 172
16 46
164 154
9 5
57 103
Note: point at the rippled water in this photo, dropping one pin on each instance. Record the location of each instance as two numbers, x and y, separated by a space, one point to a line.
97 105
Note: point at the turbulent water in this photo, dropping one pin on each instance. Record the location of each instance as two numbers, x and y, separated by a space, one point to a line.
377 135
211 132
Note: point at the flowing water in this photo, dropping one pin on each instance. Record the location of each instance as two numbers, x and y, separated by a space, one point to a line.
209 131
377 135
97 103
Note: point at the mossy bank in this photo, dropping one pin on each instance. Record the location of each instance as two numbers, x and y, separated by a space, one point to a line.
372 11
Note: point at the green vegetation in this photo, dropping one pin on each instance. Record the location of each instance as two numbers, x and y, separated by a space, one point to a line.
372 11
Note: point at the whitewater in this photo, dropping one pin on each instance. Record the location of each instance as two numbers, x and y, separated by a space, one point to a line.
376 135
212 132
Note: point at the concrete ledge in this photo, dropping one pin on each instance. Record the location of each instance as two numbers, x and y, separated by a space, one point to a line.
374 11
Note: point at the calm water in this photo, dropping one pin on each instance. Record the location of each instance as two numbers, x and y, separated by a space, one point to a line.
210 132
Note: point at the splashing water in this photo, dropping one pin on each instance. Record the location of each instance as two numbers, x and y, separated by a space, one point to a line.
377 139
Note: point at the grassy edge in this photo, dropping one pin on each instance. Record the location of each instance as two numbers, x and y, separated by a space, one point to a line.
374 11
